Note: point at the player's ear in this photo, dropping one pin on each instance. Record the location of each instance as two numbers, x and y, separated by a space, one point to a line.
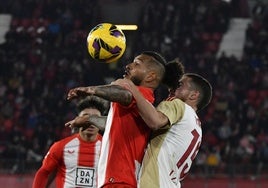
194 94
151 76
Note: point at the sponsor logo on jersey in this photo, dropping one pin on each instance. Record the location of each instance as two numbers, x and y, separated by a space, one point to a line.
85 176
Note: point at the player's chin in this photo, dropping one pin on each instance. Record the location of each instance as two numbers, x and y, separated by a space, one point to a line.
91 130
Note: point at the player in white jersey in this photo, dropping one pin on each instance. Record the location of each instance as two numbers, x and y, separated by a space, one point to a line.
177 131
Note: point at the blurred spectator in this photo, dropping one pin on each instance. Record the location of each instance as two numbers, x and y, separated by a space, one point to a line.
213 161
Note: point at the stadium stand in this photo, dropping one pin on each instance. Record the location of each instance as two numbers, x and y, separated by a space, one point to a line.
44 55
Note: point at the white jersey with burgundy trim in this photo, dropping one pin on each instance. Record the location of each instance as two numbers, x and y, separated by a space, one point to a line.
172 149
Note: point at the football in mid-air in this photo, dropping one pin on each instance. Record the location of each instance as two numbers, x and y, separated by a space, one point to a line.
106 43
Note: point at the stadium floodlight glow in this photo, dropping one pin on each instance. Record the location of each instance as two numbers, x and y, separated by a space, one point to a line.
127 27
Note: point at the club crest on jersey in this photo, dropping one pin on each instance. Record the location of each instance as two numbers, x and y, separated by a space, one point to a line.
85 177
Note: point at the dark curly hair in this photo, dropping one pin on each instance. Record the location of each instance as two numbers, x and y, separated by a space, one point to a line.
174 72
93 102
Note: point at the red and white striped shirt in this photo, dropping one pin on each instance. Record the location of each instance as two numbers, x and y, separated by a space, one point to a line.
75 161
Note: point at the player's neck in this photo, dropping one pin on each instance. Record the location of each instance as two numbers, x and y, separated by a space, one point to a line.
88 137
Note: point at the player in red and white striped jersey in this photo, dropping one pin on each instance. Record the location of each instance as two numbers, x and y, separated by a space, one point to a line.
177 137
74 159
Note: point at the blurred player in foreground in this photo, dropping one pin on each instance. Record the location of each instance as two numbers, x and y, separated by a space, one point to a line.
177 133
74 160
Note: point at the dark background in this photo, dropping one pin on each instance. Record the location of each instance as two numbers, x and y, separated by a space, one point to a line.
44 54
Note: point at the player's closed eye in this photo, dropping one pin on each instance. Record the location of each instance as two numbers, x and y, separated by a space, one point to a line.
179 84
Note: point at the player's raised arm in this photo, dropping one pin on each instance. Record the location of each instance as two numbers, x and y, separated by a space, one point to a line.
87 120
112 93
153 118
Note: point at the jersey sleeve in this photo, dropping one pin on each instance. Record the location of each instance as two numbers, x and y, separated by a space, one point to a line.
53 157
174 110
49 165
41 178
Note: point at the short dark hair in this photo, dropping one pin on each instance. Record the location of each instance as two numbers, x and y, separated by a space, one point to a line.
159 63
204 88
157 56
174 72
95 103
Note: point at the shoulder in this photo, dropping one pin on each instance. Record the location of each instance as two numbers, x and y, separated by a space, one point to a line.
69 138
172 102
173 108
148 93
64 141
145 90
99 137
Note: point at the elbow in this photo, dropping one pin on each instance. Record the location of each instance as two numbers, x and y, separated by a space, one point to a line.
158 122
126 98
155 125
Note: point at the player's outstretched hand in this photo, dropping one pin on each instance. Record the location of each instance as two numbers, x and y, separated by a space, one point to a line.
79 121
79 92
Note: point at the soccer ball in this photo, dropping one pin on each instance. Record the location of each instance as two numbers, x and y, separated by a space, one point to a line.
106 43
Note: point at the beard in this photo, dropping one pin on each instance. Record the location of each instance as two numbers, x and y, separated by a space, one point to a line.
136 81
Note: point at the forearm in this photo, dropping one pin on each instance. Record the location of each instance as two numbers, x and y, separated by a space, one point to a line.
153 118
41 178
114 93
51 178
98 121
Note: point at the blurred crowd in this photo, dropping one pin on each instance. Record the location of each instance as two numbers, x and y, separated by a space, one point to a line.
45 55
